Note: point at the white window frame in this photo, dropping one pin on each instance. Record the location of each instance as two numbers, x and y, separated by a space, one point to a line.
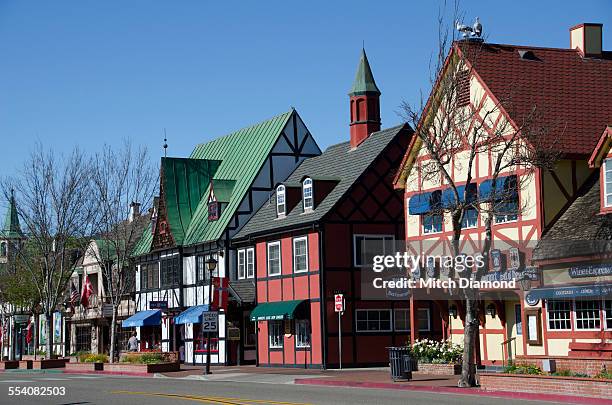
426 310
302 326
250 263
308 201
274 343
357 311
604 314
281 201
597 319
548 318
431 231
384 237
296 240
464 218
241 264
280 261
607 171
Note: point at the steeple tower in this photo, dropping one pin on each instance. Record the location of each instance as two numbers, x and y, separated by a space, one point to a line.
365 106
10 233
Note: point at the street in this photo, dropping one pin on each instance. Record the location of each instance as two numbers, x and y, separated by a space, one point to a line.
104 389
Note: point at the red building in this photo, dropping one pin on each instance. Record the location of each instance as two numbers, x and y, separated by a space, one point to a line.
308 243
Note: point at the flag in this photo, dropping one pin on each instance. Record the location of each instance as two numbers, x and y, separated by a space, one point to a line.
87 291
29 332
74 294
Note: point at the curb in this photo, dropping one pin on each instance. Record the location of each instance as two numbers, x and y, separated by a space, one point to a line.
110 373
456 390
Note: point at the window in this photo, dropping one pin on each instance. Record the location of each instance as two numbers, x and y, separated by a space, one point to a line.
281 205
250 262
300 255
432 223
83 338
275 334
368 246
559 315
274 259
149 276
213 211
3 249
307 191
202 272
506 210
241 264
607 314
518 321
201 340
587 315
608 182
170 271
373 320
302 333
423 319
402 319
470 218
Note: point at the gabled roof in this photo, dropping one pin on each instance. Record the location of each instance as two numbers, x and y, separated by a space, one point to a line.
10 228
571 92
580 231
364 79
340 163
602 149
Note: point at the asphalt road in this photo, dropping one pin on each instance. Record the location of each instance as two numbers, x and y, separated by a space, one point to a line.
110 390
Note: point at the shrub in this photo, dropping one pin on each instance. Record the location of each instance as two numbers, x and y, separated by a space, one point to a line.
93 358
144 358
438 352
604 375
527 369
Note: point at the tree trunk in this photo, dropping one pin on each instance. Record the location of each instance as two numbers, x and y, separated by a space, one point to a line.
113 336
470 334
49 342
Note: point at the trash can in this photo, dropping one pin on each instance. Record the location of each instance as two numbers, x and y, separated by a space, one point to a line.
400 362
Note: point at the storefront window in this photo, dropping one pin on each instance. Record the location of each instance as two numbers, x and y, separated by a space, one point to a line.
302 333
559 315
275 334
201 339
587 315
83 338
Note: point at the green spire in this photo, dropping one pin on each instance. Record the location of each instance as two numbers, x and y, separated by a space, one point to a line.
11 228
364 80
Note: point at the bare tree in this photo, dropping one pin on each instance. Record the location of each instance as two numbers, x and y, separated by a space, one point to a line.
123 179
56 212
454 128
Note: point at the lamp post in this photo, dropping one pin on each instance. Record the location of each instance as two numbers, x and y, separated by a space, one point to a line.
211 265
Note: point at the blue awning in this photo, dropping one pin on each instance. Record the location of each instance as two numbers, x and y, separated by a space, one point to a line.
419 204
143 318
505 188
448 197
191 315
569 292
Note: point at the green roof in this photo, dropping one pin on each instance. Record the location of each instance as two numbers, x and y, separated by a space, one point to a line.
11 228
144 243
364 79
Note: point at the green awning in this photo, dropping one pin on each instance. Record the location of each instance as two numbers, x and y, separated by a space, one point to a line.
270 311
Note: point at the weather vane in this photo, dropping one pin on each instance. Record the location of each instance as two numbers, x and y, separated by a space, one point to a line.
473 33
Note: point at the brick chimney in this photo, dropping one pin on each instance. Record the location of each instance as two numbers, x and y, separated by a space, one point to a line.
587 39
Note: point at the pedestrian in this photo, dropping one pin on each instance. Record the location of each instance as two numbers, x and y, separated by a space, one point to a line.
133 343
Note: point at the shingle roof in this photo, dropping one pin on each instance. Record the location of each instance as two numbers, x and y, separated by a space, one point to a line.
570 91
580 231
337 162
243 290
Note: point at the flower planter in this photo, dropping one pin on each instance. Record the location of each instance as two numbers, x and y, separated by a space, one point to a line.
541 384
139 369
49 363
9 365
438 369
84 367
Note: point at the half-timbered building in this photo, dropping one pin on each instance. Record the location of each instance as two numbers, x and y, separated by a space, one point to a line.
204 200
570 88
307 246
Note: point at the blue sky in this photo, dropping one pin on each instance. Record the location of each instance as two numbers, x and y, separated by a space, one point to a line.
93 72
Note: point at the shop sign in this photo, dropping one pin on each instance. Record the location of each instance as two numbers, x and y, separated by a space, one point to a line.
591 270
158 304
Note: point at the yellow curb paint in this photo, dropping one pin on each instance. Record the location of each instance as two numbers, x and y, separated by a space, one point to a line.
214 400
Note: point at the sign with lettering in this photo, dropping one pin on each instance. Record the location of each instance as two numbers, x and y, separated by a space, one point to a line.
496 259
592 270
158 304
339 302
210 321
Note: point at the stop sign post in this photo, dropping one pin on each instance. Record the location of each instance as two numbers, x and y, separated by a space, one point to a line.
339 308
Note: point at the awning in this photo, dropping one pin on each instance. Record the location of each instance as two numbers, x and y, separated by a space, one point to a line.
191 315
275 310
143 318
577 291
505 188
448 197
425 202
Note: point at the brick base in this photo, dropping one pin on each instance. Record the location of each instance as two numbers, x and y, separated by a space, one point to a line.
84 366
588 366
438 369
536 384
49 363
9 365
128 368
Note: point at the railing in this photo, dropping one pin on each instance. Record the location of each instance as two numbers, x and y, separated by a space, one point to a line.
509 354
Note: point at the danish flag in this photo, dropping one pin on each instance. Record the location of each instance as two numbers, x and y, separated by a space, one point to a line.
87 291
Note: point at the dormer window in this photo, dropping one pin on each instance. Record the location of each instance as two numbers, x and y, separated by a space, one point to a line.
607 172
214 209
281 201
307 194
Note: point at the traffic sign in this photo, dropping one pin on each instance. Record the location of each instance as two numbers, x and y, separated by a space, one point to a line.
210 321
339 302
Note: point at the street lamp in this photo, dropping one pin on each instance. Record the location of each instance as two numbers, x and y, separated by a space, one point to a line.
211 265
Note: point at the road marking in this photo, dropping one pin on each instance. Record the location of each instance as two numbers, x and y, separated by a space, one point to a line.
207 399
16 381
53 379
